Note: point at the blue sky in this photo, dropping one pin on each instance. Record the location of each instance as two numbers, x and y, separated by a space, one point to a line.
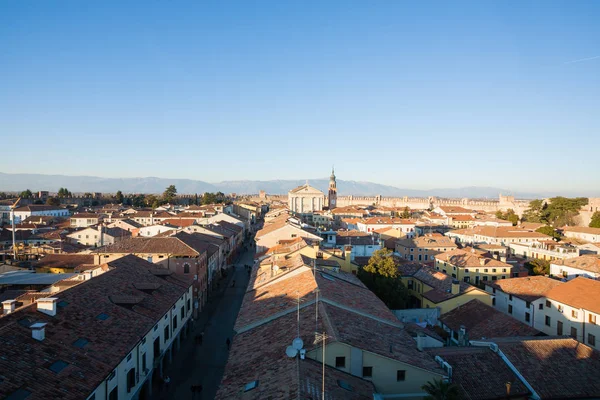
412 94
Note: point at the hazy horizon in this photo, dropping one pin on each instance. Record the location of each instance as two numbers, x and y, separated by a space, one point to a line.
415 95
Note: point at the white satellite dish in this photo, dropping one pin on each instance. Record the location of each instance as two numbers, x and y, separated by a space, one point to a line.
291 352
297 343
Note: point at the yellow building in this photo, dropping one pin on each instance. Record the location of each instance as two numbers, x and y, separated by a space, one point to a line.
472 266
424 248
63 263
429 288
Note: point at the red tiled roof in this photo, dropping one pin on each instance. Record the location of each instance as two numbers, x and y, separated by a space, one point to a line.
588 262
483 321
579 293
528 288
25 361
441 284
64 260
557 368
473 365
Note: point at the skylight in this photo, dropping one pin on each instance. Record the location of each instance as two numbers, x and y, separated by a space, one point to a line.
345 385
19 394
62 304
102 317
81 342
250 386
58 366
329 278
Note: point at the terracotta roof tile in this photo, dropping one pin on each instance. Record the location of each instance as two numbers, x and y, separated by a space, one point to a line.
483 321
580 293
528 288
25 361
588 262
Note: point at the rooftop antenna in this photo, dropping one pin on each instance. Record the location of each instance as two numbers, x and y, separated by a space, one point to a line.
321 337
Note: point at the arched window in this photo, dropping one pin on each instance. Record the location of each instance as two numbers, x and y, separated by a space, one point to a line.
186 268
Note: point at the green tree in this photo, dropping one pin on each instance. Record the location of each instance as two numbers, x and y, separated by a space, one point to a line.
119 198
559 211
209 198
3 196
440 390
53 201
138 200
151 201
406 213
509 215
64 192
382 278
26 194
538 267
169 194
595 222
548 230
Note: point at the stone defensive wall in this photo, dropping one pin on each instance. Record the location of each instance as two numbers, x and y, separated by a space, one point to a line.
417 203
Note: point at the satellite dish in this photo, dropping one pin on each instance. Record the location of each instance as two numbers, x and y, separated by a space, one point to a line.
291 352
297 343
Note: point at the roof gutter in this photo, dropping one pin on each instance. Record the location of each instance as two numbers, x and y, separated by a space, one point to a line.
496 349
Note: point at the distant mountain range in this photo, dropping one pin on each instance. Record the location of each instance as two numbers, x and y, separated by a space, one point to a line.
81 184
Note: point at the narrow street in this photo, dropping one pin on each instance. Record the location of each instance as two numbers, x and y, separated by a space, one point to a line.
204 364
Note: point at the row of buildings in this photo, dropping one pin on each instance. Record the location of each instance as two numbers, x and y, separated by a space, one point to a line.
308 328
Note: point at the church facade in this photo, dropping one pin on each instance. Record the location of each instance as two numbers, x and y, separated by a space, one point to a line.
305 199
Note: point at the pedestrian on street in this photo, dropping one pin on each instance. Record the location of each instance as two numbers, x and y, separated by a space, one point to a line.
233 283
167 382
228 343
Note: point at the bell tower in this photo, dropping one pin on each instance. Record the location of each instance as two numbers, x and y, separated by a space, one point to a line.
332 194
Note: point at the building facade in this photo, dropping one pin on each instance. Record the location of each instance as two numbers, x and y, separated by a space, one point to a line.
305 199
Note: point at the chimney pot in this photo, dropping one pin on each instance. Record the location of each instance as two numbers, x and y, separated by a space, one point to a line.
482 261
47 305
455 286
8 306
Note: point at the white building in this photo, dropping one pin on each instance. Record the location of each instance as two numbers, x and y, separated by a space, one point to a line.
372 224
587 265
153 230
98 236
305 199
83 220
573 309
544 250
591 235
522 298
22 213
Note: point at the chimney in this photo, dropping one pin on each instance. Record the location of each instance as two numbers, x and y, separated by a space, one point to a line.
348 253
38 331
462 333
482 261
8 306
503 259
47 305
420 341
316 247
455 286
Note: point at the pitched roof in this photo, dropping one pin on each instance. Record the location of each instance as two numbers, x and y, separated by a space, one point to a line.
259 355
557 368
528 288
507 232
306 188
473 365
580 293
455 209
588 262
86 215
151 245
582 229
470 259
38 207
426 241
441 284
25 361
179 222
388 221
483 321
64 260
